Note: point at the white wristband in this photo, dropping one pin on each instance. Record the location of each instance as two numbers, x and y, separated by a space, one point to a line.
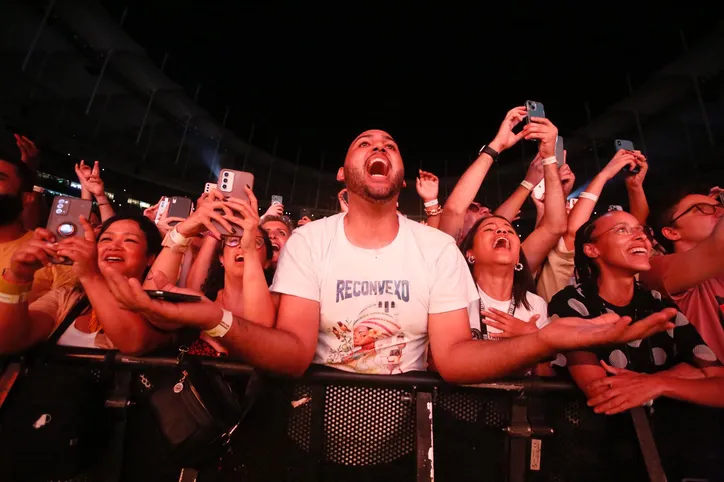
588 195
223 327
13 299
549 160
526 184
179 238
430 203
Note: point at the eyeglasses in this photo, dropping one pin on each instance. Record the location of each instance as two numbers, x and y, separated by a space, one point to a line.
234 241
474 207
704 208
623 229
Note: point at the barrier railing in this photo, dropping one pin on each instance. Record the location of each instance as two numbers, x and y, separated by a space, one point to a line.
338 423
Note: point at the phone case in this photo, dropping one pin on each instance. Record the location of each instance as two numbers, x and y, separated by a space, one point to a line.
276 200
179 207
231 184
64 219
539 190
209 186
560 157
162 207
535 109
623 144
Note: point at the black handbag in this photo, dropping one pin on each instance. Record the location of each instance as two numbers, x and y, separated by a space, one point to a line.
197 411
53 423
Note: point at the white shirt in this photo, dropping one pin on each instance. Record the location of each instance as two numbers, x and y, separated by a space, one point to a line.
538 306
374 304
74 337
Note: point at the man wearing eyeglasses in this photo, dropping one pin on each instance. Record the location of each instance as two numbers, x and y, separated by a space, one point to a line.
691 228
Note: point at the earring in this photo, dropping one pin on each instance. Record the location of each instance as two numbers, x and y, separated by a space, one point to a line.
471 259
519 267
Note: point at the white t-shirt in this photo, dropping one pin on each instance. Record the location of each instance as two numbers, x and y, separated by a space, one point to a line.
374 304
538 306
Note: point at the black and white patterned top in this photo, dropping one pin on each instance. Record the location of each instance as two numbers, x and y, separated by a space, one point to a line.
653 354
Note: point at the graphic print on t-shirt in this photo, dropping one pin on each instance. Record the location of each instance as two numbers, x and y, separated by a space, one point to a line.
372 342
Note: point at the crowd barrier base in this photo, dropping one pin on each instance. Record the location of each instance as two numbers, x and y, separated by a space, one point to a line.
332 425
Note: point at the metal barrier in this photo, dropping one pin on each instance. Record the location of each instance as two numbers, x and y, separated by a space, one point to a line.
333 425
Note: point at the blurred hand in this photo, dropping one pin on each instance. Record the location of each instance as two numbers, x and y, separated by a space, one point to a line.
509 325
568 179
621 159
534 174
505 138
249 221
275 210
624 390
542 130
637 180
33 255
90 178
427 185
28 150
83 252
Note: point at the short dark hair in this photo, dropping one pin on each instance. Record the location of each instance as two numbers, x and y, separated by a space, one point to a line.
25 173
664 207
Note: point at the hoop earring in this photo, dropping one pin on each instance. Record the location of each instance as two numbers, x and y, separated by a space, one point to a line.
471 259
519 267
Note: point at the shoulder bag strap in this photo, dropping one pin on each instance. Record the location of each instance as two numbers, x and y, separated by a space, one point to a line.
74 313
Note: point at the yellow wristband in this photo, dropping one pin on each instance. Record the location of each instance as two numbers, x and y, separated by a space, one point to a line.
9 288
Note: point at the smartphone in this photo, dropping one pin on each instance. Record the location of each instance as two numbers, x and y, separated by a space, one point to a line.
179 207
345 196
162 207
560 155
615 207
172 297
231 184
64 222
304 212
721 198
571 202
209 186
534 109
276 200
628 146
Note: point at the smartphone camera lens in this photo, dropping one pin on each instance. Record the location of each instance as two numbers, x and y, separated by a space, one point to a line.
531 105
66 229
226 174
618 143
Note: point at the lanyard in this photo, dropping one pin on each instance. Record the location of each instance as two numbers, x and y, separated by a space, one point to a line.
483 335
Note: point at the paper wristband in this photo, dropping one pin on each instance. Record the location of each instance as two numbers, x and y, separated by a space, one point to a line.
588 195
549 160
526 184
223 327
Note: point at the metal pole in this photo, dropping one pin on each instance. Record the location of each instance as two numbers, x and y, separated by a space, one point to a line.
40 74
183 139
150 101
38 33
251 137
699 98
636 115
98 81
150 138
296 171
593 141
319 182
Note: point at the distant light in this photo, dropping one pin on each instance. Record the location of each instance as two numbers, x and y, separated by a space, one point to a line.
124 190
69 153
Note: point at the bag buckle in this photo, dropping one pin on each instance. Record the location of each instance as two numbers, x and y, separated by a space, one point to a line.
182 350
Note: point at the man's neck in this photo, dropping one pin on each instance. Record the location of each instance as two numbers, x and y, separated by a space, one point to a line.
495 281
369 225
616 287
12 231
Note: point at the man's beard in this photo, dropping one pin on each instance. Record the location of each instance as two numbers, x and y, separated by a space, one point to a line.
355 181
11 207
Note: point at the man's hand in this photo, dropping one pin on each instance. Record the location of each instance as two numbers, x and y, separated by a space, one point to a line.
637 180
534 174
427 185
621 159
505 138
565 334
28 151
203 315
624 390
33 255
275 210
568 179
543 131
509 325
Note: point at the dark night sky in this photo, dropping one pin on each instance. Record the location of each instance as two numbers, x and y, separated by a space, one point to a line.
439 79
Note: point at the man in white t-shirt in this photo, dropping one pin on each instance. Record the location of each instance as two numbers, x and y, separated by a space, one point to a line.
368 290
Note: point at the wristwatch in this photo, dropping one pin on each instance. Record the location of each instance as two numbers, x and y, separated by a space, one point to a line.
489 151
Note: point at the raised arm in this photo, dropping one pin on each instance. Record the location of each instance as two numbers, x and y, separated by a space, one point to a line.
453 216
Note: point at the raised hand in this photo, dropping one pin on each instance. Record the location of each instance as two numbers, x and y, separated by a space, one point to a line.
427 185
82 252
275 210
506 138
543 131
33 255
28 150
568 179
534 174
249 220
621 159
90 178
201 220
637 180
343 206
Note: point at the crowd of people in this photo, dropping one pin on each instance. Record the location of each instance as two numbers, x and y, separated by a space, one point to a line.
629 304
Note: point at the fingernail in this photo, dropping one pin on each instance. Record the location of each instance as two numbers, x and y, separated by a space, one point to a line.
248 186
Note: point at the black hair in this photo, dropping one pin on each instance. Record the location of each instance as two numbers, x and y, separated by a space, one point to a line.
522 280
587 273
153 236
25 173
215 277
664 207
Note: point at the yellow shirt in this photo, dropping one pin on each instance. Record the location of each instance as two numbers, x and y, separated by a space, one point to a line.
47 278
